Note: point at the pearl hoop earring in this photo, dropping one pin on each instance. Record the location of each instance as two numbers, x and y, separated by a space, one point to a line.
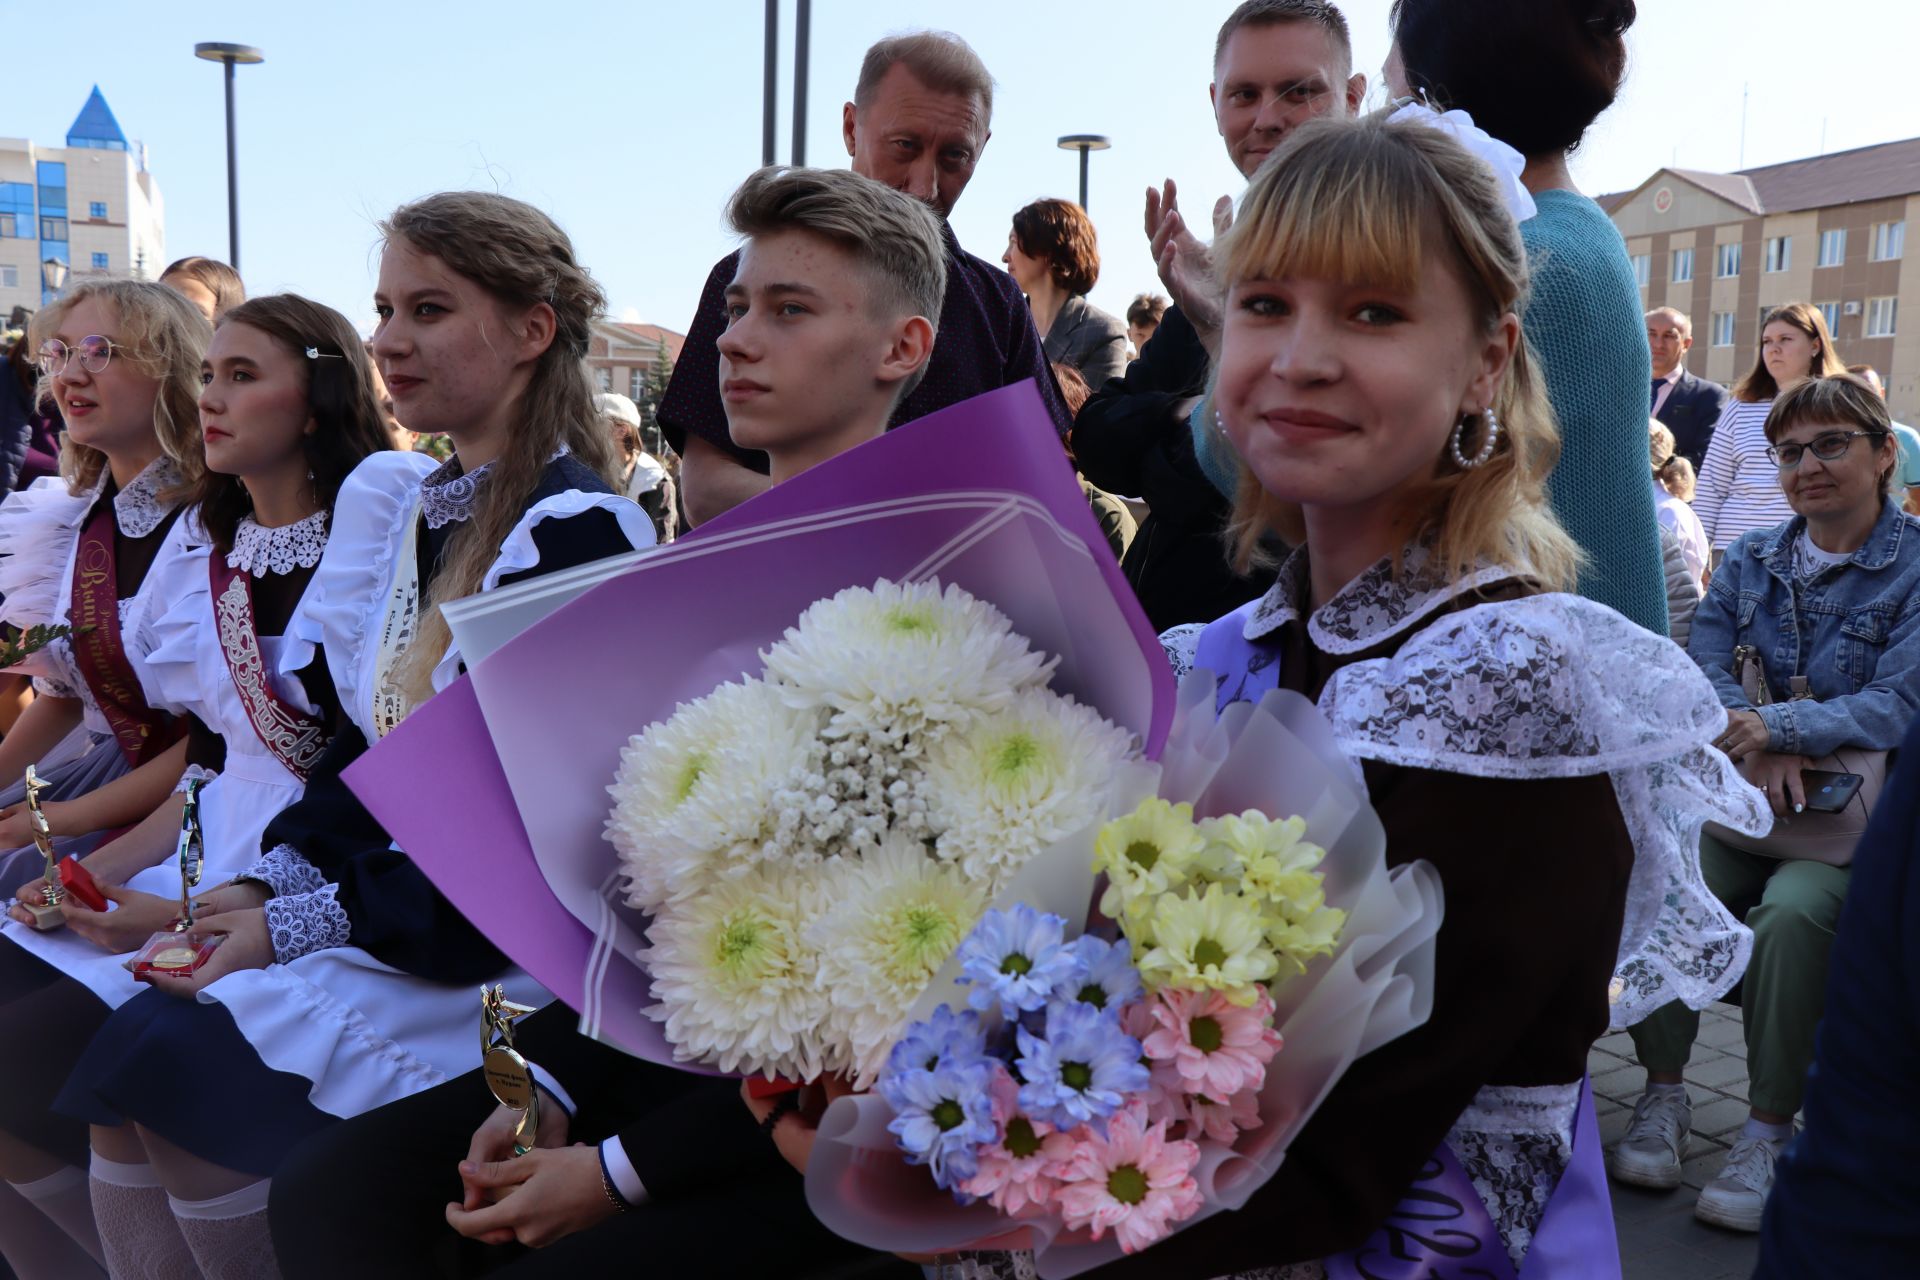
1460 459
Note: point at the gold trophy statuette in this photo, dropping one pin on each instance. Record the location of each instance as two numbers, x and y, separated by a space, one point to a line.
506 1071
47 915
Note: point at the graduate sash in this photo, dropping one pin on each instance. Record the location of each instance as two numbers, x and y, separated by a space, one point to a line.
98 654
1441 1229
294 737
399 622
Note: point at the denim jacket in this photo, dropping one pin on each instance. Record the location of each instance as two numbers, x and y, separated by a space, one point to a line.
1853 630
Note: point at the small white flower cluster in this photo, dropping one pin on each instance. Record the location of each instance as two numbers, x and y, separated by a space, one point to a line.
813 844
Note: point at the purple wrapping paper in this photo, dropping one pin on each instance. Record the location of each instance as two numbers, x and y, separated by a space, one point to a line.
496 787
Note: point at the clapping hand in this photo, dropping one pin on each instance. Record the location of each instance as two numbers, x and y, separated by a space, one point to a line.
1185 264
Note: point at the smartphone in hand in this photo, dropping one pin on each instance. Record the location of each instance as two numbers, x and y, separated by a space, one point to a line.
1829 792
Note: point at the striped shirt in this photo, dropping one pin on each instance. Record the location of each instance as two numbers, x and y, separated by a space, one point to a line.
1739 490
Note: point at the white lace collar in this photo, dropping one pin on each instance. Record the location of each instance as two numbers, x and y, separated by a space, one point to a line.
259 551
447 494
1374 607
139 508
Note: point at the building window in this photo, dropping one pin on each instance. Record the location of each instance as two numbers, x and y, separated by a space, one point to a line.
1726 262
1723 328
1889 241
97 209
1833 247
1830 312
9 277
1682 266
53 228
1779 254
99 262
9 227
636 385
1642 269
605 375
1881 314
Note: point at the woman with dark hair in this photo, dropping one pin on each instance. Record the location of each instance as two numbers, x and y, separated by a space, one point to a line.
1054 256
286 414
346 980
1739 489
1536 74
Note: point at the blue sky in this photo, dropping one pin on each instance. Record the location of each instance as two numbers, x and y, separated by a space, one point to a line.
631 122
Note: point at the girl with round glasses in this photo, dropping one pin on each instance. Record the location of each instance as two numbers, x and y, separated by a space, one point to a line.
121 360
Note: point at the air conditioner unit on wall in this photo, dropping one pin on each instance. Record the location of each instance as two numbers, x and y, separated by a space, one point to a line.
1849 308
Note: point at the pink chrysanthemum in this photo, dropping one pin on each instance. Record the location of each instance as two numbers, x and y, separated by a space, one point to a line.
1134 1182
1218 1048
1015 1172
1220 1121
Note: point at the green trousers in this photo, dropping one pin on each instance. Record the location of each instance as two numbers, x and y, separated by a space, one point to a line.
1791 908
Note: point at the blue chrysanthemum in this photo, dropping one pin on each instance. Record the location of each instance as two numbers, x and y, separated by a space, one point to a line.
1083 1070
945 1037
1016 959
942 1116
1110 981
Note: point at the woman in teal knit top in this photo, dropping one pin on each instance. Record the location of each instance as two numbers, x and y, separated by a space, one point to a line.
1535 74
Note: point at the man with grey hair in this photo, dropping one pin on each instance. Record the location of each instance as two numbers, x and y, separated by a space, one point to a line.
919 120
1688 406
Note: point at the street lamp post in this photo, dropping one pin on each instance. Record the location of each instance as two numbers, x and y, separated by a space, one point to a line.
231 55
1084 143
53 278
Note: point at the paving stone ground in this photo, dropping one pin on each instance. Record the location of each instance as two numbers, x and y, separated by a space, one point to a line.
1660 1239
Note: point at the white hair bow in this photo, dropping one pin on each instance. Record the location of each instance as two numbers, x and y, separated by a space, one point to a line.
1506 163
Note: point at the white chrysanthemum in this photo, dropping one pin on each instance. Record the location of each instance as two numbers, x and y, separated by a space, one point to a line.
694 794
897 916
903 660
1015 782
737 983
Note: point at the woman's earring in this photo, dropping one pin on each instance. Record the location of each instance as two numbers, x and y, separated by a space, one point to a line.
1486 449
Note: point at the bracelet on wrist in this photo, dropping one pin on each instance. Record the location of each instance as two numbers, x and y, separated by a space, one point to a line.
783 1106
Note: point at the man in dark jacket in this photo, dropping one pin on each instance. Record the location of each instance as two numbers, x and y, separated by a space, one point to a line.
1689 406
1277 64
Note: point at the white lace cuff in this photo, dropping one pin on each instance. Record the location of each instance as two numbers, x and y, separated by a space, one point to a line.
283 870
195 773
303 923
53 687
1180 643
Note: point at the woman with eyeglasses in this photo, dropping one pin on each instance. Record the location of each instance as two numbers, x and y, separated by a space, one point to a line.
1739 490
121 359
1829 602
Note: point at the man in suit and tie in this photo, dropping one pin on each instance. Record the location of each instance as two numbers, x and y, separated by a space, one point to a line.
1689 406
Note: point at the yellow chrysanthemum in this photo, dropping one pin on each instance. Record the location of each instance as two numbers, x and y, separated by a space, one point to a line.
1144 854
1210 941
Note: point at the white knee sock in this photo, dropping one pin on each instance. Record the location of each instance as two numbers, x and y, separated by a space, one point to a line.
137 1229
34 1247
63 1198
228 1235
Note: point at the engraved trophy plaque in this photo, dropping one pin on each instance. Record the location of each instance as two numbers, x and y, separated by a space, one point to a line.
506 1071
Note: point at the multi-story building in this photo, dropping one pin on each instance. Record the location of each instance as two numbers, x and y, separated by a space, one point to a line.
1830 230
90 205
626 357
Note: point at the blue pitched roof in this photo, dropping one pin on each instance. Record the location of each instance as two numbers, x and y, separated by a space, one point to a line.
95 126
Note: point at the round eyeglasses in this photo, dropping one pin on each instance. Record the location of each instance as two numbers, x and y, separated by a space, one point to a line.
1828 446
93 352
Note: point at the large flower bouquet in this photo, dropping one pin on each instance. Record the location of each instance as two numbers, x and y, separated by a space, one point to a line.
812 844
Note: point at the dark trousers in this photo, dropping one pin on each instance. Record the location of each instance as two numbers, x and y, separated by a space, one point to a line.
367 1199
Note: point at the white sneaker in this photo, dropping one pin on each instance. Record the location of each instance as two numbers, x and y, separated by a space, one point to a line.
1656 1141
1736 1198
